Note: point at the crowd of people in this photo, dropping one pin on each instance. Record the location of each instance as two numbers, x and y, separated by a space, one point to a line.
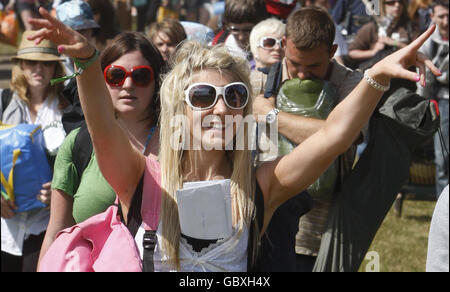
313 70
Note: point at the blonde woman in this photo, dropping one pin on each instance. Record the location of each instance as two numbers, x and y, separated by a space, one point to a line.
33 101
265 42
209 84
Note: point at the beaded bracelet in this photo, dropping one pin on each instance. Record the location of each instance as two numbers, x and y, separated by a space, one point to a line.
375 84
81 66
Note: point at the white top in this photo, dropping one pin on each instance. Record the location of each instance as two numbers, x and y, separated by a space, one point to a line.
18 228
48 113
226 255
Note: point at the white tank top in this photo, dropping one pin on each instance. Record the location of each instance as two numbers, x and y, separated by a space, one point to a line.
226 255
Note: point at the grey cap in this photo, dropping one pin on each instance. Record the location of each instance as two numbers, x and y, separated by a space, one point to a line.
76 14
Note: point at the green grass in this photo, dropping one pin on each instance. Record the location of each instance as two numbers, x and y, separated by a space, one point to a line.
401 243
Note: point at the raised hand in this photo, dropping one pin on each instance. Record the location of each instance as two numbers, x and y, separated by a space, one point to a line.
69 42
396 65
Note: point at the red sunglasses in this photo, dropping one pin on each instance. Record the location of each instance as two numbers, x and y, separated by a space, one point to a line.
141 75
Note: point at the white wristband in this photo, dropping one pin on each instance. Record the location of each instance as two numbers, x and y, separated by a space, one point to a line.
375 84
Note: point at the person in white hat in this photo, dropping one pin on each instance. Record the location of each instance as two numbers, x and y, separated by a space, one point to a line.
33 101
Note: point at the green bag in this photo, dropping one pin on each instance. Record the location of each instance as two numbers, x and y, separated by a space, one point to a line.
309 98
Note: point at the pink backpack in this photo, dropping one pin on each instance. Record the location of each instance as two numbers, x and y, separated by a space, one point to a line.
103 243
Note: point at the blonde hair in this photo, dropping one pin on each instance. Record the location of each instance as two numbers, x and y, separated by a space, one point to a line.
193 57
20 86
271 26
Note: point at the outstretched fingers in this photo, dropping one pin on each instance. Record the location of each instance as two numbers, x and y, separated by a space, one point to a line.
422 64
429 64
48 22
418 42
51 19
69 41
409 56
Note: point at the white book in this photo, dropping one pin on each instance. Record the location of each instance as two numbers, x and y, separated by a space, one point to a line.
204 209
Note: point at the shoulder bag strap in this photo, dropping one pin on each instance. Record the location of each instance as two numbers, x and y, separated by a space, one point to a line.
151 203
144 210
273 80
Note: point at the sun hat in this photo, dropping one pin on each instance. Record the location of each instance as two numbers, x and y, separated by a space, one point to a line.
76 14
45 51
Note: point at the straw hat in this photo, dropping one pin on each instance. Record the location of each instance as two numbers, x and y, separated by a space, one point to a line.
45 51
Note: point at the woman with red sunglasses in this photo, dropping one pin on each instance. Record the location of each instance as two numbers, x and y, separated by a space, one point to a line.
131 68
208 82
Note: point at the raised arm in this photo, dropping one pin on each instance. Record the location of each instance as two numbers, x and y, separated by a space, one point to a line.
294 172
120 163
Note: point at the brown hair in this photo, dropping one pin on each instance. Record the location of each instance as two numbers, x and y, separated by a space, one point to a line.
171 27
127 42
242 11
310 27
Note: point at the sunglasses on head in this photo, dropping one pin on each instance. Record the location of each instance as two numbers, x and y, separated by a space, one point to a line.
270 43
141 75
203 96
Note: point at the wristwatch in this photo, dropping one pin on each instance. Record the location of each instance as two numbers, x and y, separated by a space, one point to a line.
271 116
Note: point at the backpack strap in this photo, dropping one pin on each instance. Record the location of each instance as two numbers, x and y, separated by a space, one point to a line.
82 150
6 98
273 80
144 210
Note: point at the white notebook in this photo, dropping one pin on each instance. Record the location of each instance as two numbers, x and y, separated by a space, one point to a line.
204 209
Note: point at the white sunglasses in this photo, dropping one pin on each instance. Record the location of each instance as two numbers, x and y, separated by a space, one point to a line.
270 42
203 96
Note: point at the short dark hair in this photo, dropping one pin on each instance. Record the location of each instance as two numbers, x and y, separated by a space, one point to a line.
310 27
127 42
435 3
241 11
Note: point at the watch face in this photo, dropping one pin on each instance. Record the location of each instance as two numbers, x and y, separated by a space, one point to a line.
270 118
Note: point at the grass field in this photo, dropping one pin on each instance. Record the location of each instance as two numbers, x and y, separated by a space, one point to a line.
401 243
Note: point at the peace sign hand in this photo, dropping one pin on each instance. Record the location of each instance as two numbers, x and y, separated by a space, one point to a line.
396 65
69 42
